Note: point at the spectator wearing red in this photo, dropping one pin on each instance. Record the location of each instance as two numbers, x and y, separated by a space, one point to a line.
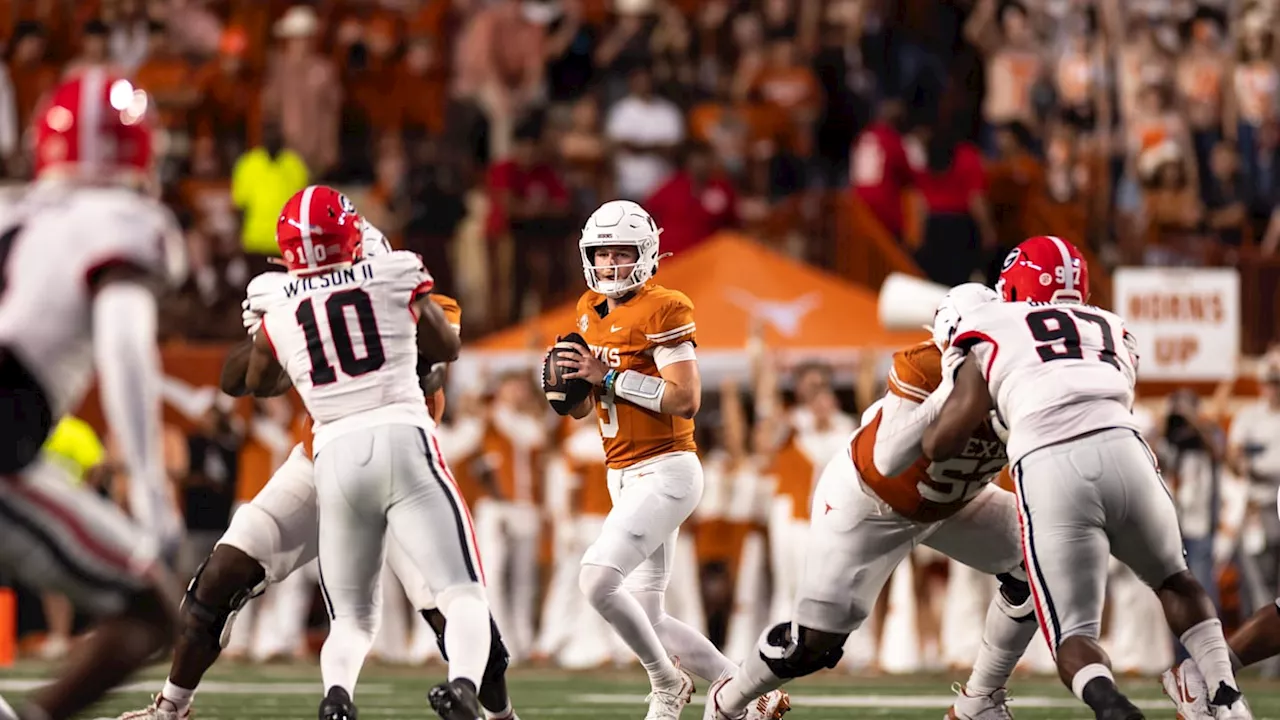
878 166
528 212
694 203
958 232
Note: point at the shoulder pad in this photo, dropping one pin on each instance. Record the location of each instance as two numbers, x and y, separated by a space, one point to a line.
263 289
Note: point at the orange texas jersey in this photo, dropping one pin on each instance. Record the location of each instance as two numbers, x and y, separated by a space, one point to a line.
452 313
927 491
435 403
625 340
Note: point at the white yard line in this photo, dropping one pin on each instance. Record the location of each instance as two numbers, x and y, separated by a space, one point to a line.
919 702
212 687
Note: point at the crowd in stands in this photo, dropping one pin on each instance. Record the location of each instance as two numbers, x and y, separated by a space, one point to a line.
480 133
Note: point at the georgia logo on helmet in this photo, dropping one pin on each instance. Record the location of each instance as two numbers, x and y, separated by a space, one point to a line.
95 126
620 222
319 230
1044 268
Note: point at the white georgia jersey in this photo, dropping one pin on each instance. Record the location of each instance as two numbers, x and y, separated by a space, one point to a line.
54 239
348 341
1055 370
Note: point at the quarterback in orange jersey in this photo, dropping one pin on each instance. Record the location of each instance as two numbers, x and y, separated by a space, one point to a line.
645 391
876 501
277 533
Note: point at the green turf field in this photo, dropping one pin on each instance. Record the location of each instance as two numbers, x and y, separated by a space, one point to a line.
251 692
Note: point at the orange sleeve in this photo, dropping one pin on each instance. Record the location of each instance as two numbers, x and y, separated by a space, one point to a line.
673 323
1004 480
452 311
435 405
916 372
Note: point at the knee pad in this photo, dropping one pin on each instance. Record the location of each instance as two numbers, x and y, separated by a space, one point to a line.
211 624
783 650
652 602
599 582
1015 597
468 591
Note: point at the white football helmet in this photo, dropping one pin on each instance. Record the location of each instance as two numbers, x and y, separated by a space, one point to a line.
958 300
620 222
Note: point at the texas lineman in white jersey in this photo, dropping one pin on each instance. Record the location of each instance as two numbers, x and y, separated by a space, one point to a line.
277 534
1060 376
348 331
82 252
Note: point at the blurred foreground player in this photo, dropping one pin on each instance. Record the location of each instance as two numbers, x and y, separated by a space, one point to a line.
1060 376
876 501
277 534
640 373
83 250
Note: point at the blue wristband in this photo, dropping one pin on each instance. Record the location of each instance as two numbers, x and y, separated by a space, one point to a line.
609 379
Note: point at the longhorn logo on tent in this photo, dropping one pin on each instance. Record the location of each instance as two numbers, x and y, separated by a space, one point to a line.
784 315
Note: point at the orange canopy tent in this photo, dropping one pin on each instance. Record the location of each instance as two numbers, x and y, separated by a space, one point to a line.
733 283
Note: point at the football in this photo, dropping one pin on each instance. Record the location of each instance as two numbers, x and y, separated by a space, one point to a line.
562 394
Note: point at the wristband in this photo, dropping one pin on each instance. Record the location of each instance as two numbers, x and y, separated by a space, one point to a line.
610 378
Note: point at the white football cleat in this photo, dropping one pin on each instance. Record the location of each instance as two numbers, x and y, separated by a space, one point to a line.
1186 687
979 707
155 712
667 704
770 706
712 709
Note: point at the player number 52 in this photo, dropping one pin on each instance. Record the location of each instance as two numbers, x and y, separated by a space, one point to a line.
959 479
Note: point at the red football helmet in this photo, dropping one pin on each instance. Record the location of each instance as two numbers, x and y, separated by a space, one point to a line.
94 126
318 230
1044 269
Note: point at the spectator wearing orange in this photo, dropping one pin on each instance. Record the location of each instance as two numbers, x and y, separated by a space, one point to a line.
1015 61
420 88
499 64
958 231
694 203
303 93
226 111
168 78
791 87
878 167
